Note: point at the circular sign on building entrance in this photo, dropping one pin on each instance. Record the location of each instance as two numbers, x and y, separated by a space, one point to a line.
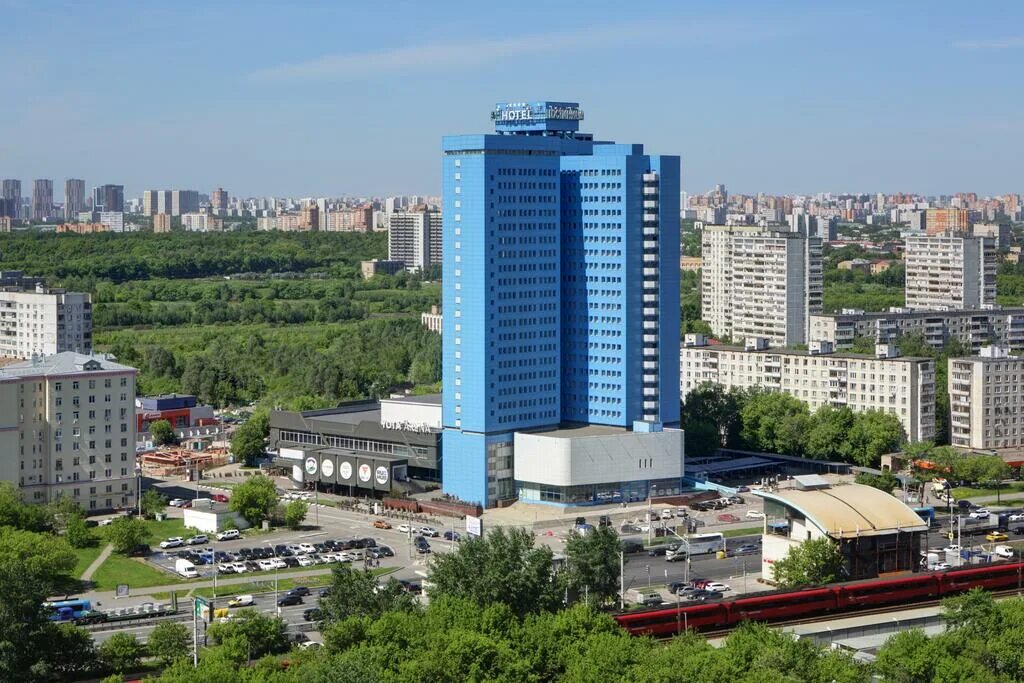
327 468
382 475
346 470
311 465
364 472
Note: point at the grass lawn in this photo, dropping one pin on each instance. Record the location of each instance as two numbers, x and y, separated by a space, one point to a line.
746 531
135 572
84 557
972 492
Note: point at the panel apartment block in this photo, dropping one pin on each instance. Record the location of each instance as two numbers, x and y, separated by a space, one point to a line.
985 400
903 386
44 322
67 427
758 282
950 271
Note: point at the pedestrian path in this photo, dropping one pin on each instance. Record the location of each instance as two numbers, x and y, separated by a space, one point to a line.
100 559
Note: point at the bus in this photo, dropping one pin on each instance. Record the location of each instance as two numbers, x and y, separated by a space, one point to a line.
697 544
926 513
75 609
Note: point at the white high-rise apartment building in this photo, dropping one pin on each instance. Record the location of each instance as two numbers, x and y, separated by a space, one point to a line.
414 237
950 271
759 282
903 386
44 322
986 404
67 427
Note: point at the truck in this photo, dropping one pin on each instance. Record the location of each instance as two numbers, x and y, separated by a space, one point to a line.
186 569
80 611
644 597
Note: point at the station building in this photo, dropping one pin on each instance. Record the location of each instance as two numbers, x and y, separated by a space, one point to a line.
877 533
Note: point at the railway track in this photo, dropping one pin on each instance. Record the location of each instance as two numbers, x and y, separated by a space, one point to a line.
832 616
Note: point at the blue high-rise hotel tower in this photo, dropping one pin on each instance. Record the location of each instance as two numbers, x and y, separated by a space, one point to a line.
561 289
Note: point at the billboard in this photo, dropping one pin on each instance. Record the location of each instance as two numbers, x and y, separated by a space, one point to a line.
346 473
474 526
291 453
327 469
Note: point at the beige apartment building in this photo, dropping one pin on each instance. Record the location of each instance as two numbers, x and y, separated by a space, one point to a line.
760 282
985 400
44 321
977 326
67 427
901 385
950 271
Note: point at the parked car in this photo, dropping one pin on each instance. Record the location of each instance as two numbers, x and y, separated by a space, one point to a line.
702 595
629 529
717 586
305 561
742 489
736 500
430 531
265 565
604 520
289 599
667 513
381 524
413 587
1003 551
175 542
452 536
386 551
177 502
229 535
242 601
307 548
219 498
755 514
403 528
728 518
197 540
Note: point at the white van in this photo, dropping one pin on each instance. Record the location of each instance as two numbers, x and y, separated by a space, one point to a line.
186 569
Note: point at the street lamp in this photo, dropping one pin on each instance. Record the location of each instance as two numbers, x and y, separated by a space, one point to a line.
276 574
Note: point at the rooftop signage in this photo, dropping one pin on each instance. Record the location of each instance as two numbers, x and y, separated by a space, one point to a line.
551 115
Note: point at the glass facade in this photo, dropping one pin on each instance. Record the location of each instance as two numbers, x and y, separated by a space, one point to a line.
597 494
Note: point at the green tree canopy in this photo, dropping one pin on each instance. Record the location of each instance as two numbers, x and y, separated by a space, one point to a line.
251 635
593 564
775 422
875 433
168 641
295 513
248 443
812 563
121 652
152 502
163 433
357 593
254 498
828 438
502 567
126 534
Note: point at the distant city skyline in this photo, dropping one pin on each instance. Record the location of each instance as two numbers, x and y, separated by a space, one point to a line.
797 99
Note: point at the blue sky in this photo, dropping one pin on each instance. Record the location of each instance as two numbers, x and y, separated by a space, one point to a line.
330 98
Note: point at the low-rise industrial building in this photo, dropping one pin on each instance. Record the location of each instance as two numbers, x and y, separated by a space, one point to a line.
188 419
985 400
361 447
976 327
877 533
901 385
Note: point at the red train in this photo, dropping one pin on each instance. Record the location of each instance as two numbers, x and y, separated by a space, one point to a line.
814 601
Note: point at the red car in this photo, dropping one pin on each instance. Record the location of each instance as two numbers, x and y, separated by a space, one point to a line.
728 518
220 498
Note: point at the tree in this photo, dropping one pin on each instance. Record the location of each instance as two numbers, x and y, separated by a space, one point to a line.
152 502
356 593
812 563
121 652
502 567
248 442
711 418
78 534
593 564
875 433
163 433
883 482
168 641
251 634
254 498
295 513
14 512
126 534
827 438
775 422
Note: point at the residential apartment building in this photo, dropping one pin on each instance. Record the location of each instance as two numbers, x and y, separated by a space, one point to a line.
942 221
950 271
903 386
359 219
309 217
184 201
379 267
74 198
67 427
1000 232
42 199
200 222
161 222
5 223
114 220
985 400
108 198
82 228
414 237
44 321
561 284
10 192
150 200
977 326
219 200
760 282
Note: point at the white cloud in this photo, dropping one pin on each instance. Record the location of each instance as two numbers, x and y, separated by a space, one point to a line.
991 43
464 54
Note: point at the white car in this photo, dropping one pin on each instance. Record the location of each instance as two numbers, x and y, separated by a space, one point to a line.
429 531
307 548
355 554
951 549
265 565
229 535
242 601
403 528
278 563
106 522
305 561
717 586
644 527
240 567
177 502
755 514
979 513
939 567
197 540
175 542
667 514
1016 517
